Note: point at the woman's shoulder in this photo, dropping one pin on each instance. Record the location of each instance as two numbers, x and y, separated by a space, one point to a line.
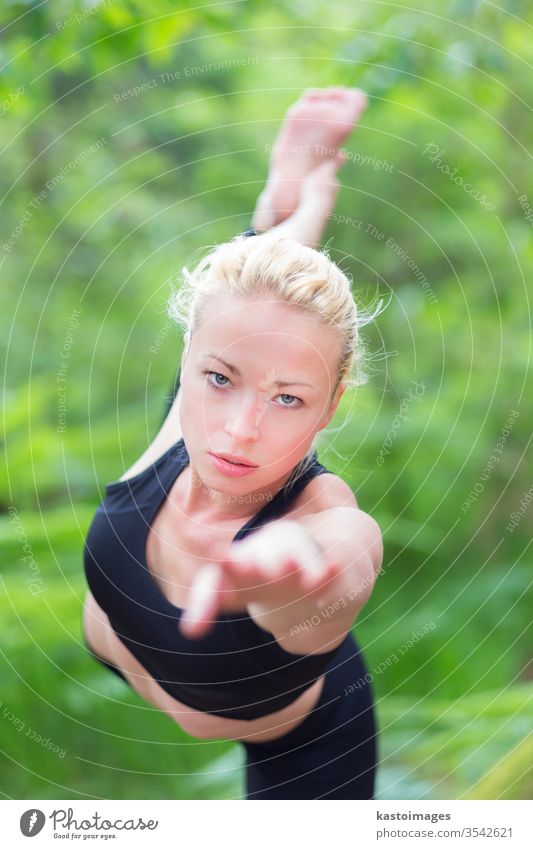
324 491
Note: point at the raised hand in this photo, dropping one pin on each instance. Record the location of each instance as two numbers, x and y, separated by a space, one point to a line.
276 566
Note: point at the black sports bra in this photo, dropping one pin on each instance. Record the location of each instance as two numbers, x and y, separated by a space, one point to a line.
237 670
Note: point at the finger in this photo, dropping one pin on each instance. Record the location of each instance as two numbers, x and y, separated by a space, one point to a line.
320 580
314 572
311 581
288 568
242 569
203 604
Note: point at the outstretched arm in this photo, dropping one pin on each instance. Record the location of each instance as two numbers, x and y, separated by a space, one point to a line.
304 581
304 578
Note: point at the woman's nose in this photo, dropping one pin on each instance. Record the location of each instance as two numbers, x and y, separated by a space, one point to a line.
243 422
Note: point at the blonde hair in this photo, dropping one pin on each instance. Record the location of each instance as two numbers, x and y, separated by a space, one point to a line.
273 265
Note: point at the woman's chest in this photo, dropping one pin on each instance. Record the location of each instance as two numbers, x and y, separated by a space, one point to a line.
177 547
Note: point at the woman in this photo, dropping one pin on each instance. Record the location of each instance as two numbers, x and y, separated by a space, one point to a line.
227 566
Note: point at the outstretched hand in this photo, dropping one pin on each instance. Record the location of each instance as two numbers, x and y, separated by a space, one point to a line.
276 565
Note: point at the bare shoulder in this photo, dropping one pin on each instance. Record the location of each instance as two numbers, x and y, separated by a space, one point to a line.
168 435
322 493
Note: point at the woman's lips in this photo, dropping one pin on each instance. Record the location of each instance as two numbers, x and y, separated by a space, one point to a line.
231 469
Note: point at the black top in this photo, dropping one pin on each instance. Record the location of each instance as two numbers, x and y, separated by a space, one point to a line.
237 670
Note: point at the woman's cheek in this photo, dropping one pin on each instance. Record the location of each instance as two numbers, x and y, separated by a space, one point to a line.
205 406
300 426
290 444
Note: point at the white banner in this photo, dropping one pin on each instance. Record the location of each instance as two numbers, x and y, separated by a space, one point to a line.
259 824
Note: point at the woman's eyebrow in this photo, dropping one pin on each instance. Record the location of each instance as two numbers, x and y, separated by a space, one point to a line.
279 383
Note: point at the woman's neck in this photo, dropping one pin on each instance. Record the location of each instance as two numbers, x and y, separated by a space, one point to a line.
212 506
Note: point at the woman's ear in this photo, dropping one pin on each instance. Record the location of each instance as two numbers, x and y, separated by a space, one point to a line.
335 403
339 393
337 397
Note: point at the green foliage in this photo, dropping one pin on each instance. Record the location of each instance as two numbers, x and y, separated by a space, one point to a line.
511 778
133 138
474 748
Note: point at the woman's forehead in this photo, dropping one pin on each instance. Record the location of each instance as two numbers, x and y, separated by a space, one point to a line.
239 317
263 335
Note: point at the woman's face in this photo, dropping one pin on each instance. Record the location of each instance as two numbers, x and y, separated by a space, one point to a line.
256 382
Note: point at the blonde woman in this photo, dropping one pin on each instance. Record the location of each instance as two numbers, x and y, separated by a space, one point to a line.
226 567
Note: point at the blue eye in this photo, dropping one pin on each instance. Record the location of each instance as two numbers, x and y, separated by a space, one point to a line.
292 397
214 383
216 374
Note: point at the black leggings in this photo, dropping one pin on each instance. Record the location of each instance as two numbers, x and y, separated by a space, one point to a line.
332 754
